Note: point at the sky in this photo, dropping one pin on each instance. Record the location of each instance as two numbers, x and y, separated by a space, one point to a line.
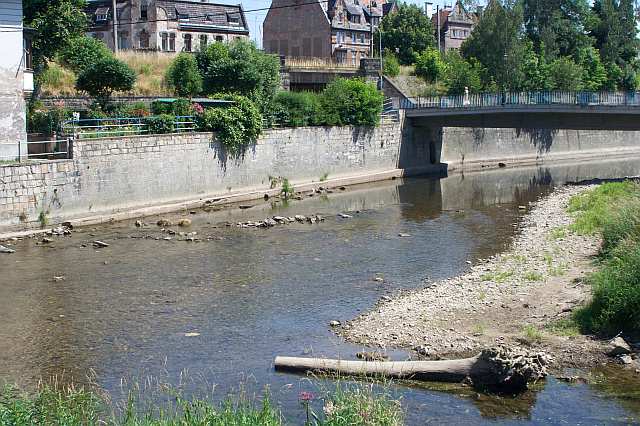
256 18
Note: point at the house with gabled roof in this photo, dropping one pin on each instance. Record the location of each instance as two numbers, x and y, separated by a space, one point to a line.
166 25
337 29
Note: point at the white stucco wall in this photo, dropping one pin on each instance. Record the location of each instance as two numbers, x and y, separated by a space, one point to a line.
12 104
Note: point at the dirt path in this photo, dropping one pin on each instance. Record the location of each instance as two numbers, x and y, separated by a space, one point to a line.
521 297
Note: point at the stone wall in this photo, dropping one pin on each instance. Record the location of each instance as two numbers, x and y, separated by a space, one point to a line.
110 176
469 148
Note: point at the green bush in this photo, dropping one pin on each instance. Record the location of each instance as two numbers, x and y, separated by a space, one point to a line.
179 107
391 65
104 77
160 124
566 74
235 125
460 74
296 109
352 102
183 75
430 66
239 68
158 108
47 121
136 109
81 52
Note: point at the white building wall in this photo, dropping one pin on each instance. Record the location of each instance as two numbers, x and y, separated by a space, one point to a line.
12 103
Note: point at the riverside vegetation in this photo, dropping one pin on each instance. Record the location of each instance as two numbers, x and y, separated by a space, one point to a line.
346 405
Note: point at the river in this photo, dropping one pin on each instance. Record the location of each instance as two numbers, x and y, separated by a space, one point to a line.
124 312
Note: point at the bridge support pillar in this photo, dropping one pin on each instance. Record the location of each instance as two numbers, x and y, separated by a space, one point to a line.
423 148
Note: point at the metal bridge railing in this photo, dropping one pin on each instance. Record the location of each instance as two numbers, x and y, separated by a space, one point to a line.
55 149
483 100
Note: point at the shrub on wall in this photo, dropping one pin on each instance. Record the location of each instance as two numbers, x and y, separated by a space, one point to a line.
391 65
81 52
235 125
296 109
46 121
351 102
183 76
160 124
104 77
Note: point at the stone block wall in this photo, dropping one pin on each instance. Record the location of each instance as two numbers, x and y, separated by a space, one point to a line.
112 175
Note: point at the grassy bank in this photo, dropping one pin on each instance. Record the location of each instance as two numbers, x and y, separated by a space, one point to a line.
612 210
348 404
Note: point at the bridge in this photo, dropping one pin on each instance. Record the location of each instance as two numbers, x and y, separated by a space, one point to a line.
527 110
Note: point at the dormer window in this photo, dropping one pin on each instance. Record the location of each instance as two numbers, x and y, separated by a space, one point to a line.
102 14
233 18
355 19
182 13
210 17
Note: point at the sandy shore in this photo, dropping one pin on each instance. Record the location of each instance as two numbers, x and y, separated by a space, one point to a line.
517 297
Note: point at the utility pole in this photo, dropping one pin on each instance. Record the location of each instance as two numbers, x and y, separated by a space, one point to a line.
438 25
115 27
371 55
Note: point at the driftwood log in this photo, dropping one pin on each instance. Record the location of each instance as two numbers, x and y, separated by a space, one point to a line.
500 368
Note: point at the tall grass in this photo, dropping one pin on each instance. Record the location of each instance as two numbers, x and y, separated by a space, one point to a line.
354 404
613 210
56 80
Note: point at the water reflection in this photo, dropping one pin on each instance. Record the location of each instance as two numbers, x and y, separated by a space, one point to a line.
125 310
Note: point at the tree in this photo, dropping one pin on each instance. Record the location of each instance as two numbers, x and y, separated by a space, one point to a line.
461 74
533 71
183 75
594 76
83 51
351 102
407 32
495 41
104 77
566 74
55 23
391 66
429 65
560 24
240 68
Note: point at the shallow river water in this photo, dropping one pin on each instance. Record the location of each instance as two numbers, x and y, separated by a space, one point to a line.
124 312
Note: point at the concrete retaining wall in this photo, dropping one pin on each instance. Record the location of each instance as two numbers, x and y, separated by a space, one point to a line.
469 148
116 176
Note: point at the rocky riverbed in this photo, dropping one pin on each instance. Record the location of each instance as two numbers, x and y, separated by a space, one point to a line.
523 296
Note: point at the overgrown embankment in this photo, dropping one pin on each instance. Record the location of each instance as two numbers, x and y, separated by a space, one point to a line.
612 210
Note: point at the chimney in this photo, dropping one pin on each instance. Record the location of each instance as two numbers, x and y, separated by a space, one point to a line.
428 9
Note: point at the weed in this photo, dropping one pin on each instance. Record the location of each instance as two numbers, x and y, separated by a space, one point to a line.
497 277
566 327
533 276
287 189
548 258
479 329
324 177
558 233
43 218
531 335
558 270
482 295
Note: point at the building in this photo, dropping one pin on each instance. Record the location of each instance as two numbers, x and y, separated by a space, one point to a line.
338 29
166 25
16 81
456 25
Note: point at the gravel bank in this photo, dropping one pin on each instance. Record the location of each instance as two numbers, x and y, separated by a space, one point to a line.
512 297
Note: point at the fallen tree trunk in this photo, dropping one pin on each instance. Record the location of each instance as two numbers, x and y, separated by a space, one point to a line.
441 371
499 368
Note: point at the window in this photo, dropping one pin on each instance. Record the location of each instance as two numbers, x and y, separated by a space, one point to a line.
144 39
355 19
340 37
341 56
182 13
353 37
172 42
221 39
102 15
28 58
203 41
164 41
144 11
187 42
233 18
353 58
123 40
362 39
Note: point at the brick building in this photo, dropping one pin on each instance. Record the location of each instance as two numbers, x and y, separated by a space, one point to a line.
456 24
166 25
337 29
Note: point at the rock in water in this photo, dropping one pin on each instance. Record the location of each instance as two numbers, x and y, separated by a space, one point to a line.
184 222
618 346
100 244
511 368
6 250
334 323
